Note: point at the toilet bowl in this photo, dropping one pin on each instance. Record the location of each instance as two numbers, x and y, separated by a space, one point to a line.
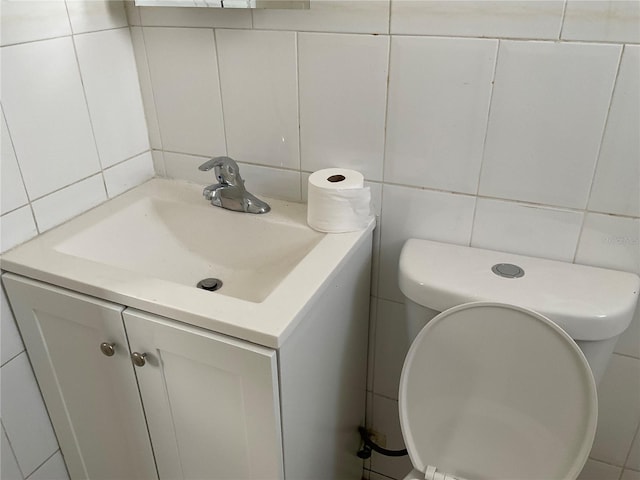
502 383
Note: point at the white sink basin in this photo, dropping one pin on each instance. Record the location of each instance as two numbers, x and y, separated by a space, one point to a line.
149 248
185 243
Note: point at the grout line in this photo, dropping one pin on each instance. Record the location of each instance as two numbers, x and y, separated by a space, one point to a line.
297 56
484 140
635 438
15 356
562 18
524 203
599 152
153 93
417 35
220 96
15 458
46 460
389 18
626 355
86 102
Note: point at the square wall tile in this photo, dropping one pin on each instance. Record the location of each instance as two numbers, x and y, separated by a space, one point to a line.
513 19
195 17
258 80
185 167
108 70
92 15
16 227
128 174
12 192
391 347
386 421
616 186
618 410
594 470
602 20
24 416
184 75
343 92
69 202
9 469
146 90
630 475
439 91
10 341
34 20
629 340
526 229
362 16
610 242
549 105
52 469
47 115
414 213
271 182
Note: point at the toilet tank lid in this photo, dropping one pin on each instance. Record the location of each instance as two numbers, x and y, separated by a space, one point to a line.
589 303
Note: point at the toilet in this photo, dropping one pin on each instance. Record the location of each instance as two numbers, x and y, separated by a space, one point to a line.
500 380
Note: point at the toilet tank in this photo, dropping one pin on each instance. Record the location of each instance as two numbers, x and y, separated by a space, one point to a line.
593 305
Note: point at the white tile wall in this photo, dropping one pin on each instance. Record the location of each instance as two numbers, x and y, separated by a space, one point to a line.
439 90
526 229
259 96
24 416
28 21
489 18
190 116
43 98
618 413
618 167
362 16
128 174
602 20
69 202
549 105
13 194
594 470
108 71
343 83
60 114
96 15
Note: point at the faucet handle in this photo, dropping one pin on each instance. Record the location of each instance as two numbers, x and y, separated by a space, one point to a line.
226 170
218 162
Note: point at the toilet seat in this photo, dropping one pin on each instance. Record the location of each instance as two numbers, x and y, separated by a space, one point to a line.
494 391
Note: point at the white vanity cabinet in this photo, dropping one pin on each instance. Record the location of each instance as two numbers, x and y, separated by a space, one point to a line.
210 402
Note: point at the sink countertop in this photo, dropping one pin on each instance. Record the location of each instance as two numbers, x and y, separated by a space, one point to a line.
90 254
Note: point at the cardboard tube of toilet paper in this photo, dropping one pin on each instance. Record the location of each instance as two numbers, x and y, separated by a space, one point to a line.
338 201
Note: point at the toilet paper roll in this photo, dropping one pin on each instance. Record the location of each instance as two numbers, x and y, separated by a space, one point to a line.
338 201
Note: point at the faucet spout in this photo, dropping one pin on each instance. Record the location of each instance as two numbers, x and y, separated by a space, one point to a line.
230 192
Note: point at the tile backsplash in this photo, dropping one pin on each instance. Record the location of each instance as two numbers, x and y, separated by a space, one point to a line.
502 125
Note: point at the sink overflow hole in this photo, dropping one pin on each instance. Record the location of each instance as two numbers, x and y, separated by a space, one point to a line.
210 284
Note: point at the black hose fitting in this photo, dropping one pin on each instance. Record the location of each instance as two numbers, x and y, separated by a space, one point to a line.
369 445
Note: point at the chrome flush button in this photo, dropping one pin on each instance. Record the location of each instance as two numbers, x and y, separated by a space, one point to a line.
507 270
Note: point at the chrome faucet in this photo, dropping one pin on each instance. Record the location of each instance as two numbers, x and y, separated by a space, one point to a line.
230 193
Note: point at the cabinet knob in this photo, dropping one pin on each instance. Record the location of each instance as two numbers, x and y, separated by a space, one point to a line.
139 359
108 348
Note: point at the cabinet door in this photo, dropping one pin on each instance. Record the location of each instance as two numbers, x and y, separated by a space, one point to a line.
211 401
92 398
